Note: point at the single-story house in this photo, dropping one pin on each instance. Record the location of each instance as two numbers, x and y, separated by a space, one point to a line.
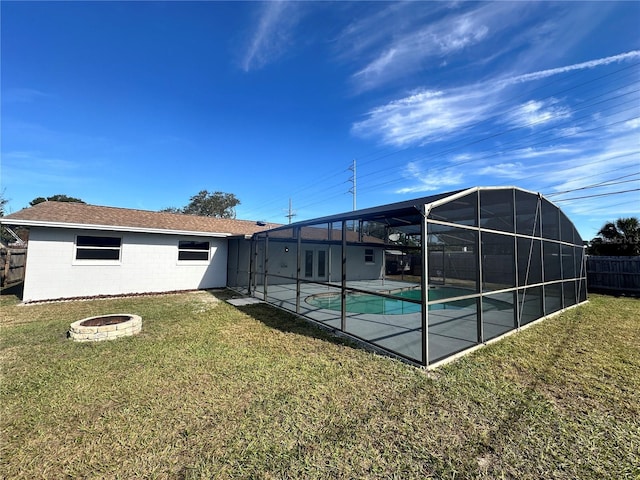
79 250
422 279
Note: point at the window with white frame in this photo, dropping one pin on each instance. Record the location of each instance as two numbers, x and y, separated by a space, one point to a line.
90 247
193 250
369 256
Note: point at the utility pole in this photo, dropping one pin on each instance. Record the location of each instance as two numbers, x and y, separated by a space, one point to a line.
291 213
353 181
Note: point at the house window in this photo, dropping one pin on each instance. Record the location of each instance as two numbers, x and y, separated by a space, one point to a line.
368 255
193 250
97 248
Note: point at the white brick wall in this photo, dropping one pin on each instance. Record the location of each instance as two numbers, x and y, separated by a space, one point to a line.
148 263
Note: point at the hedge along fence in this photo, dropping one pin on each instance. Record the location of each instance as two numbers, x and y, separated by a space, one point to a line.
12 266
615 274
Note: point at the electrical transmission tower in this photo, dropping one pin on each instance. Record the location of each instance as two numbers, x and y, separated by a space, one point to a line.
353 181
291 213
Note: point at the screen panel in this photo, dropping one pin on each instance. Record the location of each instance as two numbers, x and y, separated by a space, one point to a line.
462 211
498 314
552 298
453 327
528 216
453 258
498 261
550 220
530 304
552 263
529 261
496 210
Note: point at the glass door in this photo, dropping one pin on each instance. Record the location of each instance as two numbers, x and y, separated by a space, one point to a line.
315 264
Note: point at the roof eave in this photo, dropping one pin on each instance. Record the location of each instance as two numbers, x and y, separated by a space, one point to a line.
119 228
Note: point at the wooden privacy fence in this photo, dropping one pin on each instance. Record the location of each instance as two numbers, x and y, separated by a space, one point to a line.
615 274
12 263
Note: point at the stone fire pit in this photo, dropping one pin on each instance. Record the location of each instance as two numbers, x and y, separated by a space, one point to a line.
105 327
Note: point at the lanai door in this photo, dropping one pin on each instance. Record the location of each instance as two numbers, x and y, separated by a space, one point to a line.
315 264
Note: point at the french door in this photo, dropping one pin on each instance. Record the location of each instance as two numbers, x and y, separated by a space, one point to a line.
314 264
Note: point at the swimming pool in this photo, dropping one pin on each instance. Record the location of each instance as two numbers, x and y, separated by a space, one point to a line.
373 304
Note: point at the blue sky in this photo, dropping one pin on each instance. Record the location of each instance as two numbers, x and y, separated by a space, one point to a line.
142 105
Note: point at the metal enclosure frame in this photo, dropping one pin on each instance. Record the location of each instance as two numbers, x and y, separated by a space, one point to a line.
426 279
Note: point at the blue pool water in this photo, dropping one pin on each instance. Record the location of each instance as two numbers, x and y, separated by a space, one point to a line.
367 303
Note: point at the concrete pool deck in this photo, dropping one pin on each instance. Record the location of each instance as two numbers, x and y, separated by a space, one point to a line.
450 330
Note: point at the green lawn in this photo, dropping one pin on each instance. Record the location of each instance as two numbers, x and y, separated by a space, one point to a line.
208 390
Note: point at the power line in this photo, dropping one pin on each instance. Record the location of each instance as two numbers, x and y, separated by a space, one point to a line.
605 183
492 155
494 135
604 207
528 95
597 161
552 128
325 197
573 179
598 195
611 96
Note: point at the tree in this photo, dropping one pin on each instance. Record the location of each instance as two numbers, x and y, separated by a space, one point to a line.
216 204
55 198
5 237
171 210
619 238
205 204
3 202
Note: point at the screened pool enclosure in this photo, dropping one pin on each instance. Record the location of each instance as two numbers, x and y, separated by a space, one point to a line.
421 279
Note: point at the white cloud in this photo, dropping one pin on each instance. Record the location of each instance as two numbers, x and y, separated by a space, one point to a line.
426 180
272 36
632 124
548 152
429 115
463 157
415 41
572 131
534 113
592 161
424 115
504 170
596 163
465 32
622 125
23 95
379 65
598 210
25 168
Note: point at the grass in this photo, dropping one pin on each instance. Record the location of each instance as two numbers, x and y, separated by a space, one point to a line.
208 390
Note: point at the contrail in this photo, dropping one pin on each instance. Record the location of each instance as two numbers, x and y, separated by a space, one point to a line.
527 77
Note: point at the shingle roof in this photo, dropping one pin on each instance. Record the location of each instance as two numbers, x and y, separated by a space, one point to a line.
78 215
